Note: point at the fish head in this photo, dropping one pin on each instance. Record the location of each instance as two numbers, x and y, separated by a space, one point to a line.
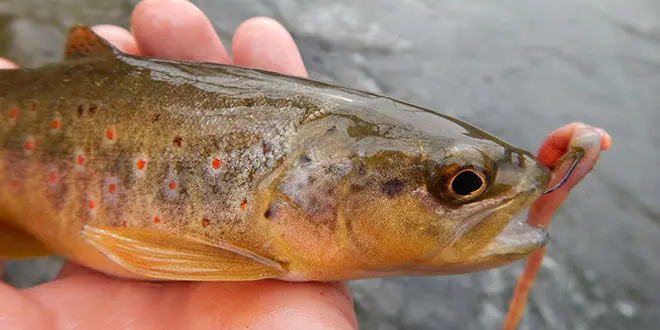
442 205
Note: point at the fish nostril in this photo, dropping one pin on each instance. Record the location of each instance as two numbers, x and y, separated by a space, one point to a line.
518 159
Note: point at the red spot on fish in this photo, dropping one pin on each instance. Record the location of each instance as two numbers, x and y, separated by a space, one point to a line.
52 178
34 107
124 224
80 160
205 222
29 144
55 124
15 184
112 188
244 204
172 185
156 220
13 113
140 164
215 163
110 134
91 204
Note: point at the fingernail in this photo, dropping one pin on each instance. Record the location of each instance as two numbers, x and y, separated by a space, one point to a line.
586 138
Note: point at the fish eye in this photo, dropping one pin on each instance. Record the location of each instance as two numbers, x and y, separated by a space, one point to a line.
455 182
467 184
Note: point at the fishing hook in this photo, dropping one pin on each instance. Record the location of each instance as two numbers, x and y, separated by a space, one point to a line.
578 156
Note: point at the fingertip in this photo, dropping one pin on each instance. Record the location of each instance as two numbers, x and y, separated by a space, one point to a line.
606 139
118 37
7 64
556 144
176 29
263 43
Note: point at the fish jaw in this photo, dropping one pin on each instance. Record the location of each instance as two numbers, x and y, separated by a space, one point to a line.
518 238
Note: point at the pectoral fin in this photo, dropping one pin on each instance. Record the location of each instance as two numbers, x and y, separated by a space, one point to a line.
16 244
161 255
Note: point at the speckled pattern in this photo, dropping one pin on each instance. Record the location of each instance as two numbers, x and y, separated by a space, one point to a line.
156 149
518 69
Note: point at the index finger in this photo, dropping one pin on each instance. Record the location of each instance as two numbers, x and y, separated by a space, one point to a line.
590 139
556 144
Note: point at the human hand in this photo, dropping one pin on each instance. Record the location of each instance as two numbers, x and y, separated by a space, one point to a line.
84 299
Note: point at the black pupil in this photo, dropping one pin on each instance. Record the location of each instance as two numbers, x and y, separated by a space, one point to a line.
465 183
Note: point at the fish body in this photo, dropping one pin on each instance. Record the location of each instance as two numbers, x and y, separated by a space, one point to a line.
158 169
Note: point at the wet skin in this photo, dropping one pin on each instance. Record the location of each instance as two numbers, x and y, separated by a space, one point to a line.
84 297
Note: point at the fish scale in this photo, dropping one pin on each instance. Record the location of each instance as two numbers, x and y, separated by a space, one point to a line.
173 170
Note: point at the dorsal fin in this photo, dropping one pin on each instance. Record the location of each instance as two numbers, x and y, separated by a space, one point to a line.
83 42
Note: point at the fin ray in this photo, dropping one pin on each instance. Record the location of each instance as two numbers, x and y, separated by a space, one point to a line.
161 255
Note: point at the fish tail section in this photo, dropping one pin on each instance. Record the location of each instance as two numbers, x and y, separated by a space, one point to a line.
17 244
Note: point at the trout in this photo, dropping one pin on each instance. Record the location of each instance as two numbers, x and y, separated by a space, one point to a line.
170 170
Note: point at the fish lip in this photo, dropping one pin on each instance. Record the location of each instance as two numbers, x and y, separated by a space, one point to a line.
517 238
470 222
522 198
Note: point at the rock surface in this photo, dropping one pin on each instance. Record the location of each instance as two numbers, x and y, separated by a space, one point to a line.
516 68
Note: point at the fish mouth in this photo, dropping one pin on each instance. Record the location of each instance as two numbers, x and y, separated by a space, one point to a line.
515 241
518 238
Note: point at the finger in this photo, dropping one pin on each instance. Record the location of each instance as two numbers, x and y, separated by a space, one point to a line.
18 311
263 43
93 300
556 144
118 37
591 140
7 64
176 29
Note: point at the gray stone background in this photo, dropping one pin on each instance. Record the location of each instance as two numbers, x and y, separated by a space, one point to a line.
518 68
